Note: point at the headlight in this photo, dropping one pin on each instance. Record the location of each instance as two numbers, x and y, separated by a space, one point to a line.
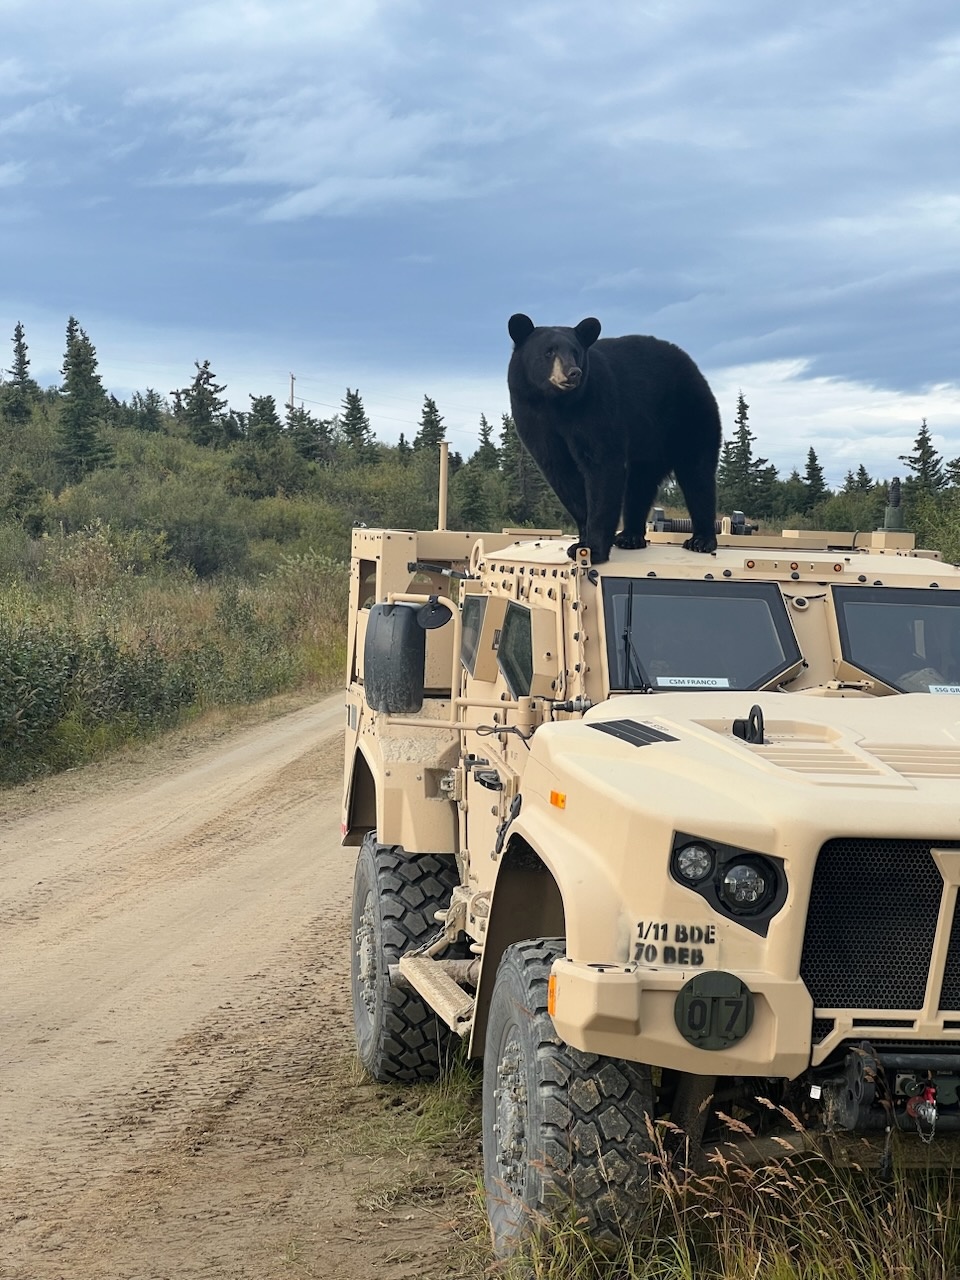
694 863
747 886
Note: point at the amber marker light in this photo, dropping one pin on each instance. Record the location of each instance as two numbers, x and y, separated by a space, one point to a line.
558 799
552 994
794 564
751 564
838 568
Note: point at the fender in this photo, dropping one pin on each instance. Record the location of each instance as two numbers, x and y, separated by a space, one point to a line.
549 884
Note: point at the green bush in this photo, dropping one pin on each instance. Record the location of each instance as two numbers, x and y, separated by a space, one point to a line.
108 645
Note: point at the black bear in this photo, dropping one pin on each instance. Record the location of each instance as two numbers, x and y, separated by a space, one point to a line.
607 421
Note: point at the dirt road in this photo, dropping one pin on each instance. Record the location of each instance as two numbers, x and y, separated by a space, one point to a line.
176 1091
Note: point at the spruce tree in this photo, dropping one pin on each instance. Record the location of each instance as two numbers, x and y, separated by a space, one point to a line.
310 436
524 485
471 495
355 426
487 457
815 486
404 449
793 494
745 483
22 500
21 393
953 473
849 483
148 410
83 408
432 430
263 422
925 463
202 407
864 480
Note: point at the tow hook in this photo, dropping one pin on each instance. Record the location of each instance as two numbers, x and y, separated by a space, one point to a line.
922 1109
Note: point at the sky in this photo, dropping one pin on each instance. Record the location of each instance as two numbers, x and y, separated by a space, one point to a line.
361 192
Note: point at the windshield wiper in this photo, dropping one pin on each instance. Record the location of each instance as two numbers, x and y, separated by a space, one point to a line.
630 653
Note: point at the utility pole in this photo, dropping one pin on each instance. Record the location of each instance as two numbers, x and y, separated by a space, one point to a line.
292 381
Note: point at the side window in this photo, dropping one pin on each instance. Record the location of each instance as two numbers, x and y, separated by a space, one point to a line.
515 654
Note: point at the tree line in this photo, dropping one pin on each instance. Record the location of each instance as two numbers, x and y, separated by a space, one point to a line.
199 468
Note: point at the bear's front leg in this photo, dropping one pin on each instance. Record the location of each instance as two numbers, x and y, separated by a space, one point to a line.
604 499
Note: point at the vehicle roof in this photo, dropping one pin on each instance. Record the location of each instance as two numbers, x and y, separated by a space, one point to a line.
746 557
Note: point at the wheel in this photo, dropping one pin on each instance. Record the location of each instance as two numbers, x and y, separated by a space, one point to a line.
395 897
562 1130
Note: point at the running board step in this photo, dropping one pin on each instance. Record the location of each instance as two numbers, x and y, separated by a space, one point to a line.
448 1000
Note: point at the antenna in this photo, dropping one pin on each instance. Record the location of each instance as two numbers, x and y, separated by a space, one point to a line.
442 495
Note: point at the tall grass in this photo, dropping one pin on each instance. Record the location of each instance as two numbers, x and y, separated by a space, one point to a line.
799 1217
101 643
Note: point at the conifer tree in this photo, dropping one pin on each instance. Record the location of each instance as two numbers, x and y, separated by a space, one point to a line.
149 409
925 463
849 483
202 407
487 457
310 436
953 472
471 492
355 426
83 408
864 481
22 500
432 430
793 494
815 485
523 482
745 483
263 422
404 448
21 393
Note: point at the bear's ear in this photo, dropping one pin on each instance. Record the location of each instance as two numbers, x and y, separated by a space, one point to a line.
520 328
587 331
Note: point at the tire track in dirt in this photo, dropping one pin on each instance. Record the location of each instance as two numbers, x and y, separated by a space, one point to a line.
175 1032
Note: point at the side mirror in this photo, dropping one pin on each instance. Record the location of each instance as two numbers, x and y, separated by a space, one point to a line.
434 614
394 653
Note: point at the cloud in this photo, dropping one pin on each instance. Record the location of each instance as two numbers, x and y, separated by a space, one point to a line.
16 79
327 147
845 421
11 173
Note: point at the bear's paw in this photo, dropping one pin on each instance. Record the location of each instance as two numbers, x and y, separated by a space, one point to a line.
700 543
629 541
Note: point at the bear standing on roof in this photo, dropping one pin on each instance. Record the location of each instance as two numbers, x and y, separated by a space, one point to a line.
607 421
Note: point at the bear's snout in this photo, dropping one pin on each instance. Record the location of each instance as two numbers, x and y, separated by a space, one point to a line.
565 376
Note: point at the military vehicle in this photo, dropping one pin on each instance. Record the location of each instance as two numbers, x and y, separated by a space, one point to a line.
675 836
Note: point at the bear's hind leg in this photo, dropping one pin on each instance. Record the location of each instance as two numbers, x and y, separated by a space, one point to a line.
698 482
641 489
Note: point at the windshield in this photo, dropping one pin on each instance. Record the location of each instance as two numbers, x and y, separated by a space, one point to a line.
908 639
696 634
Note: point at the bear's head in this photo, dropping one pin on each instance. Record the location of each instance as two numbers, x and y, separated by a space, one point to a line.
554 359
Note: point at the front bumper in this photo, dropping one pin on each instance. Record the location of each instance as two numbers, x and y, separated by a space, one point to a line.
629 1012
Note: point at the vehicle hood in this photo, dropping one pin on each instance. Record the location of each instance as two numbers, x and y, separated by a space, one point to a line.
879 766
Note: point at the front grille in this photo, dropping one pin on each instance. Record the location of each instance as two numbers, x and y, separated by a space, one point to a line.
822 1028
950 992
872 923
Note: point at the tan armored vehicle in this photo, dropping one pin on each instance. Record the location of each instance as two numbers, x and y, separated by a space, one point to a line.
673 828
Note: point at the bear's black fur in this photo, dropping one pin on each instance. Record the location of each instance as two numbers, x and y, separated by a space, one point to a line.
607 421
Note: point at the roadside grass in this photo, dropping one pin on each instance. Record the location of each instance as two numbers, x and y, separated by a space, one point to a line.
796 1217
799 1217
106 644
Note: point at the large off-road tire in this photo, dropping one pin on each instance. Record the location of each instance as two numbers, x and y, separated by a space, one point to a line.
395 897
564 1132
